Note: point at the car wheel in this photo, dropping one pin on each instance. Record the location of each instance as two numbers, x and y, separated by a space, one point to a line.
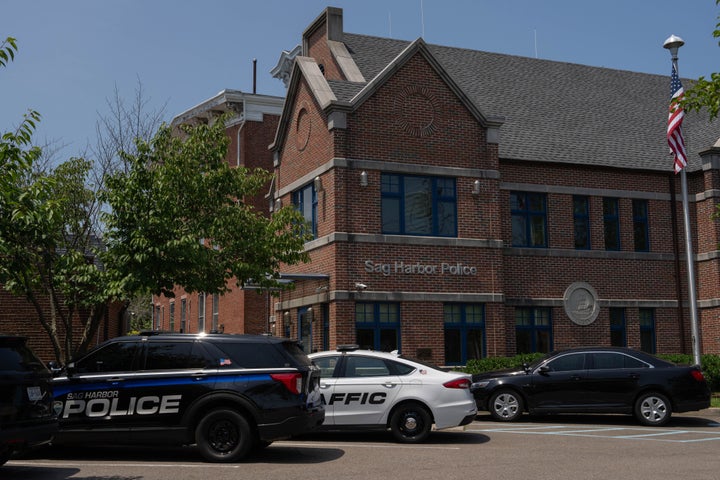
411 423
505 406
653 409
4 456
223 436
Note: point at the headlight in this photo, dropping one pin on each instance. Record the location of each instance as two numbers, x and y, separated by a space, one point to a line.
479 385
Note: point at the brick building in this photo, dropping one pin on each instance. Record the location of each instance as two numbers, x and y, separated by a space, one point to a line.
468 204
19 317
251 129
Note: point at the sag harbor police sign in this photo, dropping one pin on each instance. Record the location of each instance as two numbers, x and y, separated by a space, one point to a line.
417 268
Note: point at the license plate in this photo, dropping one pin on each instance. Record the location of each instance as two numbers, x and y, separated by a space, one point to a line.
34 393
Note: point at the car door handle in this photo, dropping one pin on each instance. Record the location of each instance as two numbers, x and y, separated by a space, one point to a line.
116 379
199 376
324 386
389 385
575 377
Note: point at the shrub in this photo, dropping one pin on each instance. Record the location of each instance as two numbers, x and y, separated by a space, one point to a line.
710 365
499 363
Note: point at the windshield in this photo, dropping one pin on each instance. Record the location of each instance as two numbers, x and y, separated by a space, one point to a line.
538 362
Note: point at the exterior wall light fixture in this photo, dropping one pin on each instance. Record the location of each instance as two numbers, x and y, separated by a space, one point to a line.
318 184
476 187
363 179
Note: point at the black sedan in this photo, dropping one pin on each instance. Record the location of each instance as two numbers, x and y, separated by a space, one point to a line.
594 380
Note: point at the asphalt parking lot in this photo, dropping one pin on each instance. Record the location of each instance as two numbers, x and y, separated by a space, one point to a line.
552 447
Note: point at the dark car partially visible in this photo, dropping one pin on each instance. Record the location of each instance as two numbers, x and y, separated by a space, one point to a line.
26 414
594 380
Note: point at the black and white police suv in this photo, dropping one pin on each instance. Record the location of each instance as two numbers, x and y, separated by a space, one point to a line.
26 415
226 393
380 390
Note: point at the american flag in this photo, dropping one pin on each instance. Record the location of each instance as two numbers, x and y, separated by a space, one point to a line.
675 119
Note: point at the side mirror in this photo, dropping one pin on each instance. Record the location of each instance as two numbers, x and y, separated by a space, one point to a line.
70 369
54 367
544 370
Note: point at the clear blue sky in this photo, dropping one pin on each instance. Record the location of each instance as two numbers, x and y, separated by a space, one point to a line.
73 53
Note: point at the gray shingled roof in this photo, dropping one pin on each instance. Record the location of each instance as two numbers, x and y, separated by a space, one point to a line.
344 91
555 111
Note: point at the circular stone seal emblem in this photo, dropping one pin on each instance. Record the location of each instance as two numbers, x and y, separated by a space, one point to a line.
581 303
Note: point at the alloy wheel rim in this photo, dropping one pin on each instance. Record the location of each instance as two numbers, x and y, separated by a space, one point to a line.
506 405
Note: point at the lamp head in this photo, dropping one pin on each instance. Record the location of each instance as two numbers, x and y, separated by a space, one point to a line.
673 43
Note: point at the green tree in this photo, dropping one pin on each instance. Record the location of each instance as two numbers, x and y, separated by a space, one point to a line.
148 212
180 215
46 236
705 93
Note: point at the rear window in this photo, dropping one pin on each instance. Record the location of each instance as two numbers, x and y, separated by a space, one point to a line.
253 355
174 355
15 356
297 353
616 360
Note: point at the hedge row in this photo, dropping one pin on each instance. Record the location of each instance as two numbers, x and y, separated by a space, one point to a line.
710 364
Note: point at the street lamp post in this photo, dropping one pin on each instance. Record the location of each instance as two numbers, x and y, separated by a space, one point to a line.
673 44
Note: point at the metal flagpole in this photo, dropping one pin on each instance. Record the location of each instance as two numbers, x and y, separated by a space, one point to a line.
673 44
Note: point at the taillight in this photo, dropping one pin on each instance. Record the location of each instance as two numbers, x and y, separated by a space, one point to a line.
457 383
292 381
697 375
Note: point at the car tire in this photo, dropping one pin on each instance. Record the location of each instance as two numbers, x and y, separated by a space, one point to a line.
505 406
4 457
411 423
653 409
224 436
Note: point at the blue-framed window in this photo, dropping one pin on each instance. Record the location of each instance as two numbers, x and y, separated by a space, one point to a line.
611 223
413 205
325 327
647 330
533 330
529 219
618 330
641 230
581 222
305 200
464 332
377 326
305 322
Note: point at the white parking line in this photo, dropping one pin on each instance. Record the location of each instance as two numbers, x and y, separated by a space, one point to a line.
519 427
656 434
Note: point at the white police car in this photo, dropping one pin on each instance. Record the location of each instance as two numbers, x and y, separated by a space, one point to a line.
369 389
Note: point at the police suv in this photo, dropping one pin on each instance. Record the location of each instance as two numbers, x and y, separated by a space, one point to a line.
369 389
26 415
225 393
